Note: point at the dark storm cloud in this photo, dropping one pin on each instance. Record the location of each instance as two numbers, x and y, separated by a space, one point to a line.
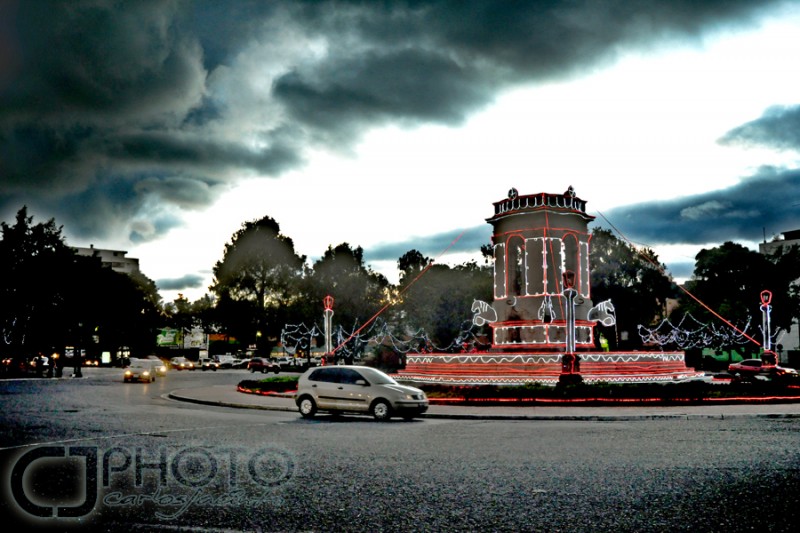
433 245
117 116
767 202
189 281
779 128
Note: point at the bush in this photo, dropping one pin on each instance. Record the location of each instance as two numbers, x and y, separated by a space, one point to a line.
274 384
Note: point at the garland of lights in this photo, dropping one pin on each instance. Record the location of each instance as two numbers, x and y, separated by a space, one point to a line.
688 333
296 337
691 333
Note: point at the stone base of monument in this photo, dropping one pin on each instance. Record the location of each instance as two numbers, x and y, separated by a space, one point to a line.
487 368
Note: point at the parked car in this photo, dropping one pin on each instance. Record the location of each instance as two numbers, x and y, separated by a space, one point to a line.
208 364
357 389
756 369
140 370
181 363
263 365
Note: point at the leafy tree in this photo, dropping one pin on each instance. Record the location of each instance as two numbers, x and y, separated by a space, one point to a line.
633 280
439 301
729 280
53 298
358 291
181 313
257 282
34 262
116 310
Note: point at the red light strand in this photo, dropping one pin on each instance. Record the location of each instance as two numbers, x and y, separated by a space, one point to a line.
412 282
692 296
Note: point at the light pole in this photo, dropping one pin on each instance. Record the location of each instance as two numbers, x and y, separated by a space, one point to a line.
570 369
766 309
327 302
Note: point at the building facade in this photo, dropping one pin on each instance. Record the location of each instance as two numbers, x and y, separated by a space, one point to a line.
116 260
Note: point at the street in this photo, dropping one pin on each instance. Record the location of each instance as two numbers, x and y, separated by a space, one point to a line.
168 465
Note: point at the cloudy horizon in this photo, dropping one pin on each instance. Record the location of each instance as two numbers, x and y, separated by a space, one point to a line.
159 127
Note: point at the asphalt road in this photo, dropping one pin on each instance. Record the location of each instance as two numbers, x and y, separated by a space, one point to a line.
167 465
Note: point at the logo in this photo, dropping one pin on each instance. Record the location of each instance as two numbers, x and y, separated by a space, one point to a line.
72 482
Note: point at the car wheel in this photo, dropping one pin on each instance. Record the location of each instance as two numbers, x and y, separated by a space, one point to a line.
276 370
381 410
252 370
307 407
263 370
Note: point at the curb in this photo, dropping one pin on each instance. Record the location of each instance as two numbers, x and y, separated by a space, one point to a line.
487 416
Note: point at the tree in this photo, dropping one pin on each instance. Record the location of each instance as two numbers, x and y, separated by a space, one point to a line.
53 298
633 280
34 265
257 282
183 314
439 301
729 280
358 291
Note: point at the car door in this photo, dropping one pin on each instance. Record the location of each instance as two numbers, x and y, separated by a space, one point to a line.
324 383
352 391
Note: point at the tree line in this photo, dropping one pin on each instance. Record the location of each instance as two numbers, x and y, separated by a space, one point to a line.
54 298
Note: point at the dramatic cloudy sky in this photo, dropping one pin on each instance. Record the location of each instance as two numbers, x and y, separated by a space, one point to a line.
159 127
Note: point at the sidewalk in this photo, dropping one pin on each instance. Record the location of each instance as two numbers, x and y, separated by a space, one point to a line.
228 396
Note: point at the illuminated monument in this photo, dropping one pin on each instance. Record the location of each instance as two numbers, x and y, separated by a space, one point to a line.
542 318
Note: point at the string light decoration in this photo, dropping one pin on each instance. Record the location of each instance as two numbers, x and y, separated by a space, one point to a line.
691 333
351 344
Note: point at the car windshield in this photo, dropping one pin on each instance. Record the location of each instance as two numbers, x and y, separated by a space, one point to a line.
376 377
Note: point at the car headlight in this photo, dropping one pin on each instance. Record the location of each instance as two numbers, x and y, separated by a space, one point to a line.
146 373
128 372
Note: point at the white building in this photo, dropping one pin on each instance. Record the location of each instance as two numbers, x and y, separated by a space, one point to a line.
113 259
791 340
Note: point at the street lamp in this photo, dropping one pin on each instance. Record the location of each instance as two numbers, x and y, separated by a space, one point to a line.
327 302
570 369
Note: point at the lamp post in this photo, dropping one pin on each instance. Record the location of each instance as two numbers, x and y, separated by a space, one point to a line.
570 369
768 356
327 302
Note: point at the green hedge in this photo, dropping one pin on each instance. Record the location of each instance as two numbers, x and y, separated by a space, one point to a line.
274 384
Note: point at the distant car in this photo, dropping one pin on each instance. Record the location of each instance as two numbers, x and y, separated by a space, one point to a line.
283 362
181 363
208 364
140 370
263 365
225 361
161 368
242 363
357 389
756 369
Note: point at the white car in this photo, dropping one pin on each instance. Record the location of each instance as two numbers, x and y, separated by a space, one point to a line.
140 370
181 363
357 389
208 364
161 368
